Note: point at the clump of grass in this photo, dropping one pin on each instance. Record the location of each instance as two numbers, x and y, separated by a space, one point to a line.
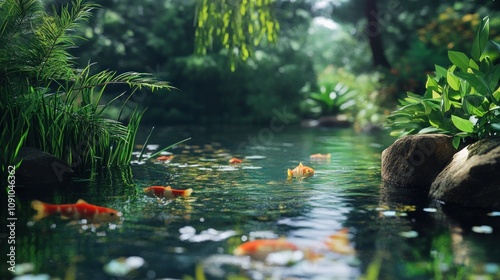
49 103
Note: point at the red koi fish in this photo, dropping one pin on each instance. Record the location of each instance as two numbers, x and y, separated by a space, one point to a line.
166 192
301 171
261 248
320 156
79 210
235 160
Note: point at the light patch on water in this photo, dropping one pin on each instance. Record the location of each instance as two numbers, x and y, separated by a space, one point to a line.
207 159
188 233
224 168
284 257
32 277
123 266
152 147
430 210
409 234
494 214
482 229
265 234
251 167
255 157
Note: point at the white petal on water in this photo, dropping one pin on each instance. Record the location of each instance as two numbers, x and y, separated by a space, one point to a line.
482 229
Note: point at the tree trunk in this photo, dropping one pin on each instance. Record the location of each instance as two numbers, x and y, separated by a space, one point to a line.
373 30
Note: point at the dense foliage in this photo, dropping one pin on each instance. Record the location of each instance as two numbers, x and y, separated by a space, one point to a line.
47 102
463 100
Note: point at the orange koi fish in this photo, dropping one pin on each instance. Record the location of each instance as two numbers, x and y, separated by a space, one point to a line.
320 156
339 242
79 210
165 158
235 160
261 248
301 171
166 192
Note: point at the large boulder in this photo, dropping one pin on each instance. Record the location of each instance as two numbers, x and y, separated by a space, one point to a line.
471 178
411 163
38 167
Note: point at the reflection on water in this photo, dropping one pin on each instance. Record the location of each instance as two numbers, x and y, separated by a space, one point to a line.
252 200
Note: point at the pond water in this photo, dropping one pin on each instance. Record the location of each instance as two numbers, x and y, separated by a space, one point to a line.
194 237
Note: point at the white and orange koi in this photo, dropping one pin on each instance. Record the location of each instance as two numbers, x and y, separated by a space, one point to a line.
301 171
166 192
79 210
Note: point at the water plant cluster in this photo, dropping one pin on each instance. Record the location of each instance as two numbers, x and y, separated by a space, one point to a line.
48 102
462 100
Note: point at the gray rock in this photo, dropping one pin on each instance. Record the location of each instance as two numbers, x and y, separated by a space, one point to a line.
39 167
471 178
411 163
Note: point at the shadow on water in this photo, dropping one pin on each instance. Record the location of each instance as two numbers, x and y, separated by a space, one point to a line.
230 204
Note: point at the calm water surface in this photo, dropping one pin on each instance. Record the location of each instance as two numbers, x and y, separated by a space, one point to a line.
235 203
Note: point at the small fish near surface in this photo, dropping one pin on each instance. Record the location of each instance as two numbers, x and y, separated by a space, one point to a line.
166 192
235 161
301 171
78 211
320 156
261 248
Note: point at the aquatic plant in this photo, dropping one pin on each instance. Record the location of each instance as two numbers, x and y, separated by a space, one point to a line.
51 104
463 100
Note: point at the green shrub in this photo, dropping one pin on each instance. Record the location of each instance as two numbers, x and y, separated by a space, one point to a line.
462 100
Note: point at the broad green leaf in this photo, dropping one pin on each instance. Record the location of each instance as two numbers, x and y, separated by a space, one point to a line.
459 59
456 141
440 71
475 82
462 124
496 45
493 77
472 105
480 40
473 64
452 80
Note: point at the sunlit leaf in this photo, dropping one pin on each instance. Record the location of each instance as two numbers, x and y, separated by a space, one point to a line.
462 124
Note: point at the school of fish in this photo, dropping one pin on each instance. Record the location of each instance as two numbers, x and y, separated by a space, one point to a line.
257 249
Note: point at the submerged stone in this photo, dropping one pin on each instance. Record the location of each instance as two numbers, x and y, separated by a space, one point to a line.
471 178
411 163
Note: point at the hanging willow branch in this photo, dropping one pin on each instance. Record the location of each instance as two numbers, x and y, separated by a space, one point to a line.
237 25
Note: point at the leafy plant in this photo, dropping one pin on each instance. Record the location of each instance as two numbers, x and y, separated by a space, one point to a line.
50 104
334 98
463 100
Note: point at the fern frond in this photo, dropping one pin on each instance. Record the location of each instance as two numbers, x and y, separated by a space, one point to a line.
56 36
